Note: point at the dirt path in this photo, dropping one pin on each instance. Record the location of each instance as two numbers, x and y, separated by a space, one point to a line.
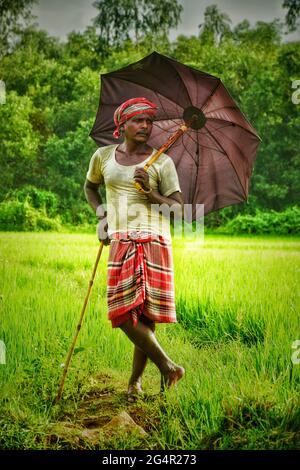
105 419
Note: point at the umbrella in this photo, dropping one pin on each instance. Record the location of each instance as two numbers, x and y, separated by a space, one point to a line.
214 162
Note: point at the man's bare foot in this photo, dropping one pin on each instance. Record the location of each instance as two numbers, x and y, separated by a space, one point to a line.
134 391
170 379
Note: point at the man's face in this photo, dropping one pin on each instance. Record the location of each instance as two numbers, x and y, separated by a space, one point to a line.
138 128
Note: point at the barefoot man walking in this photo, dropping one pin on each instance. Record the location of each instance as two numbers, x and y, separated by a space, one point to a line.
140 286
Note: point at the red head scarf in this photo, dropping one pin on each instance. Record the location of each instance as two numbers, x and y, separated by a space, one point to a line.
131 108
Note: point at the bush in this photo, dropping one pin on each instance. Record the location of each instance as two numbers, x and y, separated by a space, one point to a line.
18 215
282 223
37 198
77 213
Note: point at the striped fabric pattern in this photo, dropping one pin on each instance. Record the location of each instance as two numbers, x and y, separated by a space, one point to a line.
131 108
134 109
140 278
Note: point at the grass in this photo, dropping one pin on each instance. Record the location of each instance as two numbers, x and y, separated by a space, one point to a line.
238 314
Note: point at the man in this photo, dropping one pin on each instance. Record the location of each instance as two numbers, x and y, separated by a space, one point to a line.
140 289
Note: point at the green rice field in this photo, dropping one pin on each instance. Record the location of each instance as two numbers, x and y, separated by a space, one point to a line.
238 310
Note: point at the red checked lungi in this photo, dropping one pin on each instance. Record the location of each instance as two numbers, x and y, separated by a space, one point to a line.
140 278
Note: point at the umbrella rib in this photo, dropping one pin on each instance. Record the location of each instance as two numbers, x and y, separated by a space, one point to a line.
225 153
218 144
222 107
167 119
154 91
236 146
235 124
190 135
211 148
212 93
197 158
196 141
188 151
221 127
236 107
176 144
162 106
184 86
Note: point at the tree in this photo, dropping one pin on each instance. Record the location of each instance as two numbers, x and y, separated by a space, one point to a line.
12 13
33 39
18 142
83 49
66 116
65 163
119 20
262 34
216 24
293 13
158 17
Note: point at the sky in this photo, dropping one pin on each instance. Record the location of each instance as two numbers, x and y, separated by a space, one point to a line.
60 17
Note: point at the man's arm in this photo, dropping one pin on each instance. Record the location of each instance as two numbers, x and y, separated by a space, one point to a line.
95 201
155 197
93 196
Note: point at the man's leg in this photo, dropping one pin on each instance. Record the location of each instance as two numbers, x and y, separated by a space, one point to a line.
143 337
139 362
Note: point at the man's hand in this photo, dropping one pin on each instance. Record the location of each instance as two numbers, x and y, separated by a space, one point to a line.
102 231
141 176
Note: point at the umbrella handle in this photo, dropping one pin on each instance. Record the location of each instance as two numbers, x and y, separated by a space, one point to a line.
183 128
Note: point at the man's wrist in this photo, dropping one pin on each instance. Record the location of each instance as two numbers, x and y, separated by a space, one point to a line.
151 195
146 191
101 213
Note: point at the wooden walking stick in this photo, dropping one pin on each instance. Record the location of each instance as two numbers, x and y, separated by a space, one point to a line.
70 353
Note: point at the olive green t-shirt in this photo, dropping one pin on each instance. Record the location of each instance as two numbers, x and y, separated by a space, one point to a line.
127 208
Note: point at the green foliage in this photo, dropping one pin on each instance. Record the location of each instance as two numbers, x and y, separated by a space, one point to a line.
66 116
37 198
53 92
30 209
66 161
39 40
18 142
283 223
120 20
18 215
13 14
216 25
83 49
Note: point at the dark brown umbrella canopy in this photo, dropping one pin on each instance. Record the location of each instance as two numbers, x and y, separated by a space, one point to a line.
214 164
